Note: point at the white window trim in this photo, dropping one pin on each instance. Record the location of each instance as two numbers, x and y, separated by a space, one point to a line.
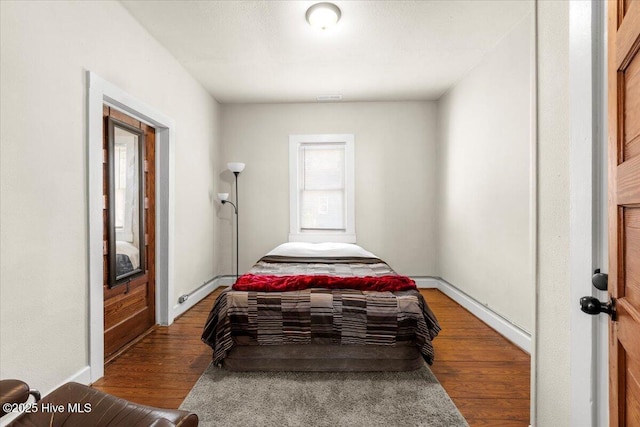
317 236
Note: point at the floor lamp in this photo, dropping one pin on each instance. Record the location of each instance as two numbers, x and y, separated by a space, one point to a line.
236 168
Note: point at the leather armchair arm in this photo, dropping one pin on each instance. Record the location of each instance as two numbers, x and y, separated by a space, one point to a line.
98 409
15 391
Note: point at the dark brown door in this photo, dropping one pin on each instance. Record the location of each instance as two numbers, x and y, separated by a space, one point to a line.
129 303
624 211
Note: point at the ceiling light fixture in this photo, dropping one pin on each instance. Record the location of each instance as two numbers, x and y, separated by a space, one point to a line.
323 15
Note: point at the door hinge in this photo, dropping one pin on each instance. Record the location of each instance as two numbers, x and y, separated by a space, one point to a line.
146 166
105 156
146 203
105 247
104 202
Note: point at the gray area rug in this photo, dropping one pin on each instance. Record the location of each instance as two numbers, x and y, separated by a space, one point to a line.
415 398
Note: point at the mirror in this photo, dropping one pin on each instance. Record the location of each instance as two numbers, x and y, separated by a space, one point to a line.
126 202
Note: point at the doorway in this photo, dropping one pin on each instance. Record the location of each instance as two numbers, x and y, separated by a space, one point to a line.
128 230
101 92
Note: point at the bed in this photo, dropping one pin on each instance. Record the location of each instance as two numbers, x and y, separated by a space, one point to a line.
321 307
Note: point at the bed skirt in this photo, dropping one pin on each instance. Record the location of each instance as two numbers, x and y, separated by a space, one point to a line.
323 358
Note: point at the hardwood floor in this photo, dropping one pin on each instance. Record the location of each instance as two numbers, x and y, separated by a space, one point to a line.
161 369
486 376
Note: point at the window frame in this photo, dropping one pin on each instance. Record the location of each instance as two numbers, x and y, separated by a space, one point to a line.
296 233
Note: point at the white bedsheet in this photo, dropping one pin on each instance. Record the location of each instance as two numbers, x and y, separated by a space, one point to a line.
129 250
328 249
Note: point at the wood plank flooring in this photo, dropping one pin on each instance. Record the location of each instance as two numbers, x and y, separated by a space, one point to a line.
161 369
486 376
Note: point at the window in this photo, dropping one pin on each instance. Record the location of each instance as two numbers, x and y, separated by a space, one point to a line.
321 175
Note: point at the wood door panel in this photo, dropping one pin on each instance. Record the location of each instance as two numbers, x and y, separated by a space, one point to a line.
624 211
632 382
632 218
124 118
122 333
632 148
628 322
626 42
124 306
136 282
632 102
631 287
150 237
628 188
129 308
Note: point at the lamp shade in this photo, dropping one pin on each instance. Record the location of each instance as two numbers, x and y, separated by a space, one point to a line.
223 196
235 167
323 15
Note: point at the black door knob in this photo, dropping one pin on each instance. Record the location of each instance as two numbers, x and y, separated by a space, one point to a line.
600 280
591 305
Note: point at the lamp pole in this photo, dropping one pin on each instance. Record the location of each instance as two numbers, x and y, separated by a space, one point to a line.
236 173
236 168
235 209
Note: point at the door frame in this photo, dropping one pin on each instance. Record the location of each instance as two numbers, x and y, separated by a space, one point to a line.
99 92
588 210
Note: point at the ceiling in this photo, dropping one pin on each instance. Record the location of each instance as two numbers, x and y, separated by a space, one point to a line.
264 51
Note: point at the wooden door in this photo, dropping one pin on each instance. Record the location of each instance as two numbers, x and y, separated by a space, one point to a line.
624 211
129 304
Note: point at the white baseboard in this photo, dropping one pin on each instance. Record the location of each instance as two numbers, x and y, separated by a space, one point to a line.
503 326
8 418
83 376
200 293
427 282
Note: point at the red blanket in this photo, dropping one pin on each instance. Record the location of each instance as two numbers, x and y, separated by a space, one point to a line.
260 282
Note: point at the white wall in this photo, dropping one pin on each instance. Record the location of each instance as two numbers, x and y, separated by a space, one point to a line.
484 188
46 48
395 173
553 392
